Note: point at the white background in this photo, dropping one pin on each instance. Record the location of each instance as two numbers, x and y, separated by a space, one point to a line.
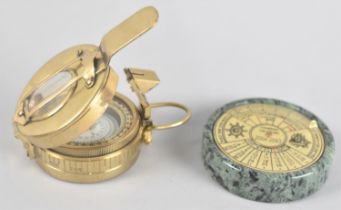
207 53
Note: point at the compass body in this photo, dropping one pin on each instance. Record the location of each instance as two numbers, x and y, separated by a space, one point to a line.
72 121
267 150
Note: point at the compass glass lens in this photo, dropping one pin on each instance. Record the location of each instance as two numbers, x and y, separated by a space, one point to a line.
47 89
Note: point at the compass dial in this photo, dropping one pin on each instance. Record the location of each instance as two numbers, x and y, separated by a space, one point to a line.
105 127
116 120
269 137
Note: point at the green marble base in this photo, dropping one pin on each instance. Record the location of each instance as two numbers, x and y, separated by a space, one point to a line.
259 185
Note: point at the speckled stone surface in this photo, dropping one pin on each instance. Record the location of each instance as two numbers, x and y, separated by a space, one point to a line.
265 186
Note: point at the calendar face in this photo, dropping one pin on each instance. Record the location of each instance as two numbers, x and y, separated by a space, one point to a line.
269 137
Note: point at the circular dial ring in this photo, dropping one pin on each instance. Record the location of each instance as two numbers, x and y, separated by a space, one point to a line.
125 113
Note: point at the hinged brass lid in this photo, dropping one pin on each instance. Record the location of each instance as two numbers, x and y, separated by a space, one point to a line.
65 97
71 91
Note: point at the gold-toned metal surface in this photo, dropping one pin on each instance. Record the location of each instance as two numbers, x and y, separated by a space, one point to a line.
142 81
70 117
72 121
128 31
187 116
269 138
88 170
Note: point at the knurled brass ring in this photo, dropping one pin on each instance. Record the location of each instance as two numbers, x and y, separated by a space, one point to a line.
177 123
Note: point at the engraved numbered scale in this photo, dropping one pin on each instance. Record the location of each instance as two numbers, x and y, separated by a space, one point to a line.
269 138
72 121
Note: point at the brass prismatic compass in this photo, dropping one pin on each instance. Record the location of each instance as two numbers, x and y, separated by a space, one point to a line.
72 120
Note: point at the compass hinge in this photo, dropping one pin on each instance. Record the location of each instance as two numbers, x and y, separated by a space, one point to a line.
142 81
30 150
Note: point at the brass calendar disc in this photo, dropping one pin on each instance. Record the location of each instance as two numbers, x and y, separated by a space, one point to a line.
269 137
